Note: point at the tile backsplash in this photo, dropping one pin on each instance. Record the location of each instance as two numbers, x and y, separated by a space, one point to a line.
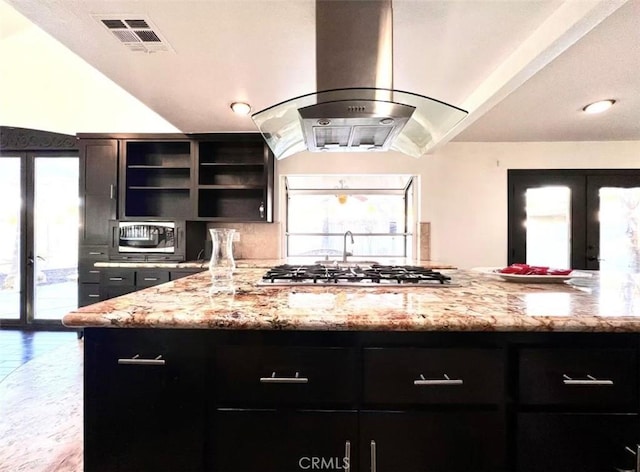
424 241
257 240
263 241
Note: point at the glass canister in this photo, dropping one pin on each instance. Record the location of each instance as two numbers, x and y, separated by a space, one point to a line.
222 264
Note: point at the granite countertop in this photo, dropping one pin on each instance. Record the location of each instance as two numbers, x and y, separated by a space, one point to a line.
246 264
478 302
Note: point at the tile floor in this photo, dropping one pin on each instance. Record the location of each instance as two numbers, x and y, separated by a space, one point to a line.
18 347
40 401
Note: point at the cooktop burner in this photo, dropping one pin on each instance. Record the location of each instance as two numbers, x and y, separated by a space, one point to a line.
408 276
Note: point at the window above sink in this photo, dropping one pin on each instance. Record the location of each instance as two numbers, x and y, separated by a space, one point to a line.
378 210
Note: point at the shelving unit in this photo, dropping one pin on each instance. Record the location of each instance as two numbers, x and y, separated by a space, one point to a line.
157 179
235 179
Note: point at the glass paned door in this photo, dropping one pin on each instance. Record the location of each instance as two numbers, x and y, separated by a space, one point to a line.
592 214
613 237
548 226
10 240
55 210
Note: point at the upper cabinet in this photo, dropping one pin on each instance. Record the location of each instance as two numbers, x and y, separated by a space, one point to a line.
98 188
235 178
206 177
157 179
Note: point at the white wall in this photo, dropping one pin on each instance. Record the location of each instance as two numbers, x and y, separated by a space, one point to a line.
45 86
464 186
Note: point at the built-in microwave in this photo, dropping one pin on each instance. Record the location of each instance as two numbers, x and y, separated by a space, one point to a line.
156 240
155 237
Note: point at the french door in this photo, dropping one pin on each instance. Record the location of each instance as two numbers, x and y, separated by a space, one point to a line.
580 219
38 237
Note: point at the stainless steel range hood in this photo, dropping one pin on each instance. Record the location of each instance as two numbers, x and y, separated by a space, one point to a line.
356 108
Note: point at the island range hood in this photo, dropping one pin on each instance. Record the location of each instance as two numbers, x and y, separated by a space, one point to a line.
356 107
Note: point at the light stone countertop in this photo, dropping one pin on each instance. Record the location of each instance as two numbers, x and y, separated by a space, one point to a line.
478 302
247 264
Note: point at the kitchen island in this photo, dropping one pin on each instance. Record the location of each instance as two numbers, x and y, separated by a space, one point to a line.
474 302
480 375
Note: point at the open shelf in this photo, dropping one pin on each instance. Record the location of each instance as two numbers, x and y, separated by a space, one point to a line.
158 179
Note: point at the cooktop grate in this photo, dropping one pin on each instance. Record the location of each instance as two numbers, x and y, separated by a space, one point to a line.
289 274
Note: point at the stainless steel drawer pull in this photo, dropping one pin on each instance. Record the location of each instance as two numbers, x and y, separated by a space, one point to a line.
284 380
94 295
590 380
95 253
135 360
150 279
445 381
94 271
116 279
373 456
347 456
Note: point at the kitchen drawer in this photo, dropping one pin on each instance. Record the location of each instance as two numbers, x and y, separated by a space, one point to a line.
88 294
578 376
118 277
429 376
278 375
94 253
148 278
87 273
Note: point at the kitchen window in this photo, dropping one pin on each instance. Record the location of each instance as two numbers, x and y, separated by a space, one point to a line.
580 219
378 210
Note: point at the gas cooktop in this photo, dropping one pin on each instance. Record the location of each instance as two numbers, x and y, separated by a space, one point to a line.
355 275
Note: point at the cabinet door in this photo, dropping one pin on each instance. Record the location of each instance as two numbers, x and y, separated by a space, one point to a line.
432 441
576 442
143 412
98 188
283 441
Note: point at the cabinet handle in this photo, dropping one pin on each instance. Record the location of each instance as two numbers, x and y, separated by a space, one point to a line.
94 271
590 380
373 456
445 381
150 279
93 253
284 380
347 456
116 279
135 360
112 191
636 453
94 295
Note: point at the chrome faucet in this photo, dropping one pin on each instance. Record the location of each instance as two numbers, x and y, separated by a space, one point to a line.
344 246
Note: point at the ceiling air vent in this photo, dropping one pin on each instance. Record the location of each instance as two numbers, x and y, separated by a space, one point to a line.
136 32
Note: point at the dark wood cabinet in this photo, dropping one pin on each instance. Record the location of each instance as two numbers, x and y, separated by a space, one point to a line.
145 401
98 189
157 179
417 441
577 442
283 440
235 178
98 196
287 401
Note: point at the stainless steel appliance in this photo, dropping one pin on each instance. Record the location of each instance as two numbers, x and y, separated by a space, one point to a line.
353 274
147 237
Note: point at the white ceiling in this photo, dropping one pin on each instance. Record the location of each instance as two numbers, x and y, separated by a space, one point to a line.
522 68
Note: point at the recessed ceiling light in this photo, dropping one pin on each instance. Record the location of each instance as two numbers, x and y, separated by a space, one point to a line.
598 107
241 108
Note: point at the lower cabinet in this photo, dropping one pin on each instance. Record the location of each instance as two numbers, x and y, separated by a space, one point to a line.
432 441
144 401
245 401
577 442
284 441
